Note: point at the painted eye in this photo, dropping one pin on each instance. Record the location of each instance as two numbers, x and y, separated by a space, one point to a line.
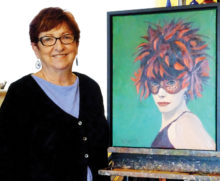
171 82
154 83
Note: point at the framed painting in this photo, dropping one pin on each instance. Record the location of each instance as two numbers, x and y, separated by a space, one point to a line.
163 78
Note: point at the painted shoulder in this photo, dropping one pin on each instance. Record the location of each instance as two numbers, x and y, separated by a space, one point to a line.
189 133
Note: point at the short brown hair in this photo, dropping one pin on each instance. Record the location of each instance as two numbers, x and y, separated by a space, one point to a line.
50 18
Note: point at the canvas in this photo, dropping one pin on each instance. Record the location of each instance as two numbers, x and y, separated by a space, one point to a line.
135 116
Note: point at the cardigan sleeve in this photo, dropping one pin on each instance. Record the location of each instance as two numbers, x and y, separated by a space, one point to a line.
11 136
7 117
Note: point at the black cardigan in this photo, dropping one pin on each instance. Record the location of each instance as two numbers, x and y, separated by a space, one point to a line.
41 142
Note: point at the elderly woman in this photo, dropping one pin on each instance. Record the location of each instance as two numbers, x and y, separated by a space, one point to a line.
52 122
173 68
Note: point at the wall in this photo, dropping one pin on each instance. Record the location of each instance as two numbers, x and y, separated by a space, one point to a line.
162 3
17 58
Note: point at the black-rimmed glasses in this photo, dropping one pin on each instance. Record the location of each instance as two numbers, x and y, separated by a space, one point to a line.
51 40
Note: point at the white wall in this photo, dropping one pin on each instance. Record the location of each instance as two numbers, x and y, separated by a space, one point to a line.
16 56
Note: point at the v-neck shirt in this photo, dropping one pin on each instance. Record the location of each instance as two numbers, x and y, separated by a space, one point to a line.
66 97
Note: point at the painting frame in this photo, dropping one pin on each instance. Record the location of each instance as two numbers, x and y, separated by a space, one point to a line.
110 53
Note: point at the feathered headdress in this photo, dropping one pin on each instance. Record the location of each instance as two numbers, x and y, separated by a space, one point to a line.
174 51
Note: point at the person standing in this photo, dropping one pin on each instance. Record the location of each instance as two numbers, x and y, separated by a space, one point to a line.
52 123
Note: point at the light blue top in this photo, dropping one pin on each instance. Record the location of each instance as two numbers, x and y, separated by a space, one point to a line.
66 97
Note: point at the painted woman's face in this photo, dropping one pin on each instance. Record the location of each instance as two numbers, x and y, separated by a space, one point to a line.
167 94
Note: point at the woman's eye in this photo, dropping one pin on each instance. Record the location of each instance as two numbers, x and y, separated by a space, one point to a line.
171 82
153 83
48 39
67 37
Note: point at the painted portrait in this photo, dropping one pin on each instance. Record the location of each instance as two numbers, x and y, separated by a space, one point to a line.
164 80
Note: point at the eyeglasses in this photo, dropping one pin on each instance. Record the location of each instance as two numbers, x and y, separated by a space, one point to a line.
51 40
170 86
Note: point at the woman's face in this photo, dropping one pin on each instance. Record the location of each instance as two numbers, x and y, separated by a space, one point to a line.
169 97
58 57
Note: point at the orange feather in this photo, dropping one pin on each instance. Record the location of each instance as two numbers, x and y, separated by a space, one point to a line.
198 92
186 62
140 57
193 43
205 74
185 83
155 43
138 87
150 72
167 61
167 37
198 59
133 79
182 32
200 48
156 68
141 45
147 89
162 71
181 45
178 66
182 75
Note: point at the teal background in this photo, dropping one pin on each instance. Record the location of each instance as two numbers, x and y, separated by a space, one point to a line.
135 122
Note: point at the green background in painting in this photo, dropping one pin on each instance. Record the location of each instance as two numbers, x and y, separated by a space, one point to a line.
136 122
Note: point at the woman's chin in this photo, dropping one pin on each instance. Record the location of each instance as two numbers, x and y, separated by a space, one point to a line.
61 66
165 108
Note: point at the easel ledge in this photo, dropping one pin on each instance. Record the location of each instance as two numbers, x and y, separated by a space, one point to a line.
158 174
163 163
173 152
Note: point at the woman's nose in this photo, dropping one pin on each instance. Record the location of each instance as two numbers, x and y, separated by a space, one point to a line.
161 92
59 45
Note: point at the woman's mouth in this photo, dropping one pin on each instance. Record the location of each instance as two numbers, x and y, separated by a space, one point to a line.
163 103
59 55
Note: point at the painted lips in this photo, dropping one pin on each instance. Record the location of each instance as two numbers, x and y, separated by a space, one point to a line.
163 103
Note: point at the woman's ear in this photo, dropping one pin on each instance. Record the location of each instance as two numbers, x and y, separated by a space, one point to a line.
35 49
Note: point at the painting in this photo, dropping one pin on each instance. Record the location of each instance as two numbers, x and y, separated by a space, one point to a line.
162 70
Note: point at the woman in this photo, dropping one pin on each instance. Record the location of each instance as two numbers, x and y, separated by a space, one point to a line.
173 69
52 122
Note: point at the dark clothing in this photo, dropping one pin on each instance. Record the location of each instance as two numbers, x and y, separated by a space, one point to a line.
41 142
162 140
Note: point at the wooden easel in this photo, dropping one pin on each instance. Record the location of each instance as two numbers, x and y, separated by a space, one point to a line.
162 164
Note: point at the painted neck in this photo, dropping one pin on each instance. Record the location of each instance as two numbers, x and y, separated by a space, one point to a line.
168 117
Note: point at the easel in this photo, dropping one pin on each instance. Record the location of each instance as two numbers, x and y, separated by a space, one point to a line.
162 176
163 164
